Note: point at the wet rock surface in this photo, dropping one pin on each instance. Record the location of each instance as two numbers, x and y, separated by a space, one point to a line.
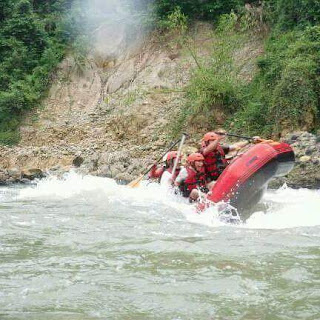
306 172
125 163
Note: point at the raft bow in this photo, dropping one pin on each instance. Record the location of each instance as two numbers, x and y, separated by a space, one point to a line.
244 181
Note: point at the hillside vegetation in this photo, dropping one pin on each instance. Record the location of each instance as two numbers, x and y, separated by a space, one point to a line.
284 94
32 42
35 35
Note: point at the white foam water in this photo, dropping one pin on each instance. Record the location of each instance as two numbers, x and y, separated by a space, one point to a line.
78 246
286 207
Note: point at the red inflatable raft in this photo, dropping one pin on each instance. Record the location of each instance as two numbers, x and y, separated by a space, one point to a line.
246 178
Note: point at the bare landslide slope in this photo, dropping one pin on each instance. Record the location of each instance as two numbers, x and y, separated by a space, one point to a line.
109 116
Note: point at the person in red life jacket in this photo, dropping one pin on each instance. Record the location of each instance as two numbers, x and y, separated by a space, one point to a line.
164 173
168 177
156 172
192 178
215 154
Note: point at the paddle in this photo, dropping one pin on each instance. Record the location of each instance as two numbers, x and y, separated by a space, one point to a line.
135 183
235 135
250 139
183 138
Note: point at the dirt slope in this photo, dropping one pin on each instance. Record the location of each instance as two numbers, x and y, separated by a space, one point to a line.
110 115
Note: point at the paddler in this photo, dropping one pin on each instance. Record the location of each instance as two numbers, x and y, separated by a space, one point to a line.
168 177
156 172
214 153
164 174
192 179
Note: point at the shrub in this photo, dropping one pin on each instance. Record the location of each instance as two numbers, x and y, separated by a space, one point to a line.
289 14
9 137
30 48
210 90
286 88
198 9
251 120
215 91
174 21
294 101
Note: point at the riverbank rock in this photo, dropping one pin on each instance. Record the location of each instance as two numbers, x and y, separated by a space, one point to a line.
15 175
32 174
306 172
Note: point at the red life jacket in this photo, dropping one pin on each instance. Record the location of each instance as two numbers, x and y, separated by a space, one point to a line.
215 162
194 180
156 173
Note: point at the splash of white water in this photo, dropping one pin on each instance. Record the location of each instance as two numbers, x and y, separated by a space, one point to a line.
74 185
287 208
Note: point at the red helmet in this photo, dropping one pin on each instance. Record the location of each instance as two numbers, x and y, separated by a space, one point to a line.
210 136
170 155
195 157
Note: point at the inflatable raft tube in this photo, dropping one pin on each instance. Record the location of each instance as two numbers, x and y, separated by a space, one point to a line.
244 181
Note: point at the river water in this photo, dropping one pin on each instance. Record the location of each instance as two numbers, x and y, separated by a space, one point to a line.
87 248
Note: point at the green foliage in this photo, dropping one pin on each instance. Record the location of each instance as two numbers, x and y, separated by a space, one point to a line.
198 9
227 23
30 48
214 88
175 20
286 89
214 85
253 119
10 137
9 134
80 50
284 95
290 14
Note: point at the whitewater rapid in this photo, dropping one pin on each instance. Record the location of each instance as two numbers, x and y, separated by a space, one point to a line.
283 208
84 247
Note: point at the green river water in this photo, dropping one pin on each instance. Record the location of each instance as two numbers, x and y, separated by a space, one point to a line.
87 248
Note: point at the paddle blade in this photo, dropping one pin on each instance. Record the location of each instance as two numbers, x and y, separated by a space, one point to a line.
136 182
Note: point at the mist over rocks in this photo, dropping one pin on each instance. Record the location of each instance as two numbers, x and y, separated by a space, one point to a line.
111 27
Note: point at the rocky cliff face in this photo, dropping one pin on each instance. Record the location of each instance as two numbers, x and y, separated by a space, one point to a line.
109 116
306 173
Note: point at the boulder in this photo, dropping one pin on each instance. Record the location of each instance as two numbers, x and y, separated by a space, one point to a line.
14 173
77 161
304 158
32 173
3 177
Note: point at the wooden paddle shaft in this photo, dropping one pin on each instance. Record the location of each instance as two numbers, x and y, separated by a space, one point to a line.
234 135
178 154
